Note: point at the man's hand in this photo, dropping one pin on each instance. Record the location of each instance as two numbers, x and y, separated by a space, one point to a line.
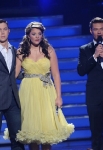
98 51
101 53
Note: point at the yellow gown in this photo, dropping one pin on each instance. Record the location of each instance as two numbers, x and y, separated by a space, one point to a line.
40 121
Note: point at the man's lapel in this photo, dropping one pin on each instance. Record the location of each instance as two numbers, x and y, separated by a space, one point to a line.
13 58
92 47
3 61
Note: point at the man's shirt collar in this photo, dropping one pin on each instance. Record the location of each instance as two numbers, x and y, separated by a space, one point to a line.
9 47
95 42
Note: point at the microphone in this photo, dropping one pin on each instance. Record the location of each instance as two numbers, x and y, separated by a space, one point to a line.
99 40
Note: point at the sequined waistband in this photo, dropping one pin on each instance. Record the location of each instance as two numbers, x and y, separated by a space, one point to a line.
46 79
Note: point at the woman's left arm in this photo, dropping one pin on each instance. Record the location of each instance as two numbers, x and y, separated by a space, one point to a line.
56 75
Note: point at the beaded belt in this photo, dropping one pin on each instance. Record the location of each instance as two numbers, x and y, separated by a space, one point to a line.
46 79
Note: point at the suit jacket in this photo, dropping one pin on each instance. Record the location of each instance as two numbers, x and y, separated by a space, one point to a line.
87 65
8 82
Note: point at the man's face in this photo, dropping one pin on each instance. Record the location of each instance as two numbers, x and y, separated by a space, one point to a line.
4 32
97 30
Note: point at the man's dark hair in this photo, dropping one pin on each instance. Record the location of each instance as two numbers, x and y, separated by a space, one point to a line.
95 20
4 21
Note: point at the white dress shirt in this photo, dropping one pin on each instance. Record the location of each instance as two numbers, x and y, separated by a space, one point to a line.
7 54
93 55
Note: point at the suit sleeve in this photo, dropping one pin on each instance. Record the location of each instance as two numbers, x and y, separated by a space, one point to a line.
85 63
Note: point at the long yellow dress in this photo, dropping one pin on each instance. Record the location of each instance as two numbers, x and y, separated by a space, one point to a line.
40 121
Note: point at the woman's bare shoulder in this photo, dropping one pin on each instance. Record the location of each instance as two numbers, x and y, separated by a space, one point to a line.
50 49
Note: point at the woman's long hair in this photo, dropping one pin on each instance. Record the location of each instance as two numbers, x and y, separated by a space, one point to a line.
26 43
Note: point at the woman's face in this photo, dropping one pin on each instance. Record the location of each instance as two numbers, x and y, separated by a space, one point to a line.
35 36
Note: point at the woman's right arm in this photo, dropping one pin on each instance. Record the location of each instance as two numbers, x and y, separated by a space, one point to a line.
18 64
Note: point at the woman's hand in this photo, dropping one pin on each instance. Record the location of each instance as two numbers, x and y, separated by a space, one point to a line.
58 102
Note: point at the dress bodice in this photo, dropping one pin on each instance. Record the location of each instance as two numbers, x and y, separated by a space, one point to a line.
42 66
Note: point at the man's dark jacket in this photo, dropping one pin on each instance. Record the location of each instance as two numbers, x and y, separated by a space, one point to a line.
8 82
88 65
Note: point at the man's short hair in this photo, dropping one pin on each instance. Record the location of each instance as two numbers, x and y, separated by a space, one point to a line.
4 21
95 20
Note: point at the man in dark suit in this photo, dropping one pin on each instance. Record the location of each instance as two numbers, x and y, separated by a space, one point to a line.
90 63
9 99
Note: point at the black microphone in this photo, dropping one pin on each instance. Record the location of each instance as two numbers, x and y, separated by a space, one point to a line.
99 40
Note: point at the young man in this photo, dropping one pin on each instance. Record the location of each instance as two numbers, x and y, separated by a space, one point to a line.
9 99
90 64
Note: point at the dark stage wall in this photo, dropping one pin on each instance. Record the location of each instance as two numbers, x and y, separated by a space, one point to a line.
74 11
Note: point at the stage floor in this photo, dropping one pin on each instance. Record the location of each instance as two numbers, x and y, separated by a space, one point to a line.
67 145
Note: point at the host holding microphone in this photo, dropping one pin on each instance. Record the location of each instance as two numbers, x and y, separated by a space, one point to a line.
91 64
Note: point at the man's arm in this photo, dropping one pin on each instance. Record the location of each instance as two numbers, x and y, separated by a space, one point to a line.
85 63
